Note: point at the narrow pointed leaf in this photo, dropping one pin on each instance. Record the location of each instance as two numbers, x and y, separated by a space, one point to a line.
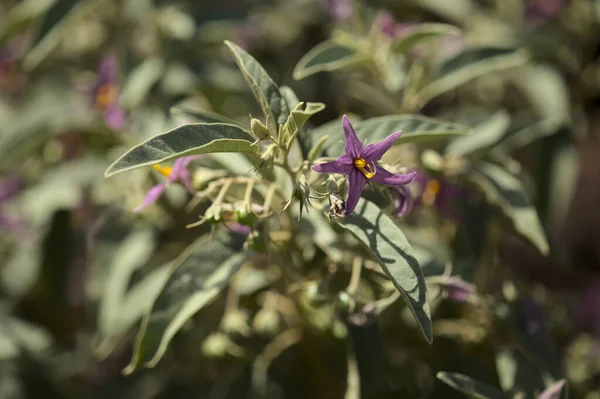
469 65
485 135
470 387
422 33
264 88
197 276
388 245
505 191
197 138
304 135
414 129
298 117
326 57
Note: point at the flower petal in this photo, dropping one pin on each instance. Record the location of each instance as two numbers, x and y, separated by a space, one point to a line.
356 184
374 152
114 117
154 194
354 146
382 176
342 165
179 170
403 201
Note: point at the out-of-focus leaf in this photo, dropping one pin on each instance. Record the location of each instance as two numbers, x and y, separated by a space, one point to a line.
456 11
20 16
17 335
517 373
388 245
485 135
196 278
48 35
135 251
470 387
422 33
201 116
196 138
505 191
298 117
140 82
554 391
19 273
264 88
414 129
469 65
327 56
353 376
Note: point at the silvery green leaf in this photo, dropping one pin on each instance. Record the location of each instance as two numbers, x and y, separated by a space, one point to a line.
201 116
140 81
197 138
327 56
422 33
505 191
469 65
298 117
470 387
197 276
384 240
485 135
414 129
264 88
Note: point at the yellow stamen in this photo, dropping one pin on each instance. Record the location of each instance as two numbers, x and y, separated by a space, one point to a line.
107 95
432 188
163 170
367 170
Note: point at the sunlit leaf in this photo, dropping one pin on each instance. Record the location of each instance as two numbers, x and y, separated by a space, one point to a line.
388 245
485 135
470 387
327 56
196 278
505 191
264 88
197 138
414 129
422 33
469 65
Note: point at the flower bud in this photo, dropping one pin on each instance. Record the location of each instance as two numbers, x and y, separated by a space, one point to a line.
301 193
216 345
244 216
266 322
259 129
235 322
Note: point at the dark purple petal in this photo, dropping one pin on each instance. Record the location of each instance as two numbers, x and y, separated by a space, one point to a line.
343 165
9 187
382 176
403 201
154 194
553 391
114 117
354 146
458 290
374 152
356 184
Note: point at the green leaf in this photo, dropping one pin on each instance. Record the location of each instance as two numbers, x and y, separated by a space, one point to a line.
197 138
505 190
298 117
414 129
421 33
469 65
327 56
485 135
201 116
140 81
264 88
388 245
197 276
470 387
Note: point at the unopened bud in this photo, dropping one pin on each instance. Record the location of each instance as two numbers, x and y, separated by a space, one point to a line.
266 322
235 322
259 129
216 345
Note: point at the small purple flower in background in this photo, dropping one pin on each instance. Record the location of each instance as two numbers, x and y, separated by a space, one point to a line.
178 172
248 34
542 10
361 165
553 391
440 193
106 94
403 201
390 28
8 189
458 290
340 10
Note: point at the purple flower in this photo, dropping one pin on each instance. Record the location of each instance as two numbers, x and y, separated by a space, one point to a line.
458 290
440 193
177 172
340 10
389 27
553 391
106 94
361 165
403 201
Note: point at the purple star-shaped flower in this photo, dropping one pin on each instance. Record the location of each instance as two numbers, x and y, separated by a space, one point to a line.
361 165
106 94
177 172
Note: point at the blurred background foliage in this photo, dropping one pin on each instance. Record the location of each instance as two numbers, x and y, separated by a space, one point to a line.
83 81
